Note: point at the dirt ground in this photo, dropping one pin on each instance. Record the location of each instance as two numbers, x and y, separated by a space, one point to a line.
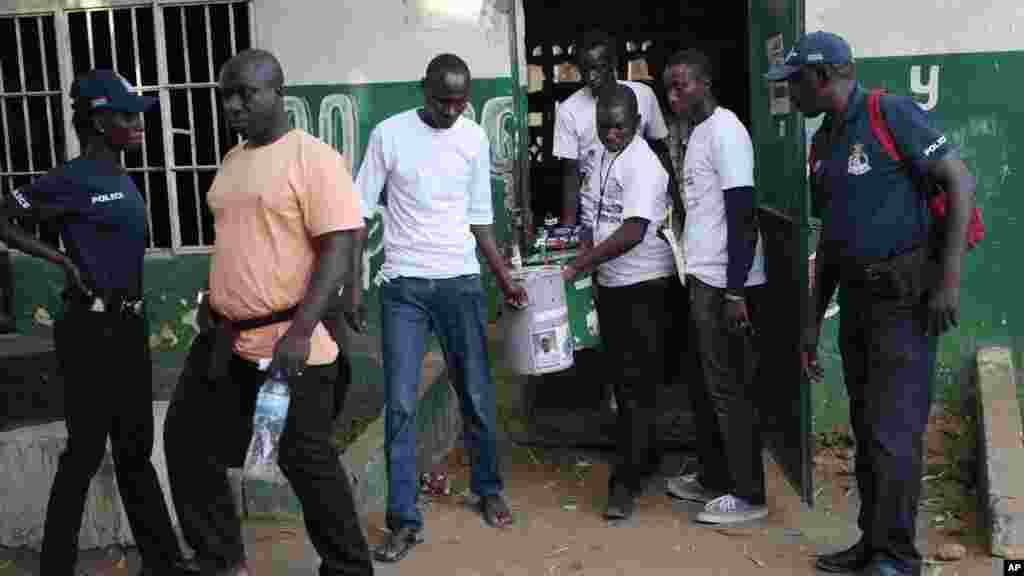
948 502
558 498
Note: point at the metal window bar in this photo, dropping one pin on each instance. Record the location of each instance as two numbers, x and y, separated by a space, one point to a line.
24 101
213 77
165 121
145 142
88 31
231 29
46 87
191 119
9 143
67 43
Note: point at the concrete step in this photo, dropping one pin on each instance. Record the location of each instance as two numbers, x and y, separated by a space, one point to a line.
29 455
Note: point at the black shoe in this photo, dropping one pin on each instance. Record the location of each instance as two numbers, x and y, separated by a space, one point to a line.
181 567
620 503
852 559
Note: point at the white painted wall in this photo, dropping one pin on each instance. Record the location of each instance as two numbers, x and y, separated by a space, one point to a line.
876 28
363 41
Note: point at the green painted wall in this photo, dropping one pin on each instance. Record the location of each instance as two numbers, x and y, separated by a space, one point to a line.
972 101
172 282
171 286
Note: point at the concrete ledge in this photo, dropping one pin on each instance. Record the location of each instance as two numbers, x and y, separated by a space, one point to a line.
29 455
28 463
1002 464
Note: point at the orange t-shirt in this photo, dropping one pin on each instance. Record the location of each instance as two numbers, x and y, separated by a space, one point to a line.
268 204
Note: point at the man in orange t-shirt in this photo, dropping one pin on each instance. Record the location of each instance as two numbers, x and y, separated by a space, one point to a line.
285 215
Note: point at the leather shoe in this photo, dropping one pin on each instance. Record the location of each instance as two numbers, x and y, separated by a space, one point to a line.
853 559
183 566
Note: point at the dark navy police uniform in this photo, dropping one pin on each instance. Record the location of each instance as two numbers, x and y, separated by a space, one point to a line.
104 357
876 216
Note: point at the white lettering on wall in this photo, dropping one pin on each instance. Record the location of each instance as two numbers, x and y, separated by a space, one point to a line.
298 112
339 127
929 89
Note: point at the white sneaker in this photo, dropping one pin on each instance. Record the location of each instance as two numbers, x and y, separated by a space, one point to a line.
729 509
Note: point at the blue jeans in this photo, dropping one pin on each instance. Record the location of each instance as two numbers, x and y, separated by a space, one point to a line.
455 309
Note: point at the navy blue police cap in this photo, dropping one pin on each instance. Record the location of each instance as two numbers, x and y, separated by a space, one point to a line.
814 48
108 90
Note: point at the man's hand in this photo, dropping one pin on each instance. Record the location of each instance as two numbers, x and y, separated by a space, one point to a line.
290 355
809 354
354 309
74 277
944 309
569 273
737 317
515 293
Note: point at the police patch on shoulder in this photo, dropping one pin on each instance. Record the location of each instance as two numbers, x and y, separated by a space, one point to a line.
858 163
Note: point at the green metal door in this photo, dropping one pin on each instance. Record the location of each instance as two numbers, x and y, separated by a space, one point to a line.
778 135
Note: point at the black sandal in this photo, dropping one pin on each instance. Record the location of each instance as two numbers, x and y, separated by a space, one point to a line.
495 511
398 544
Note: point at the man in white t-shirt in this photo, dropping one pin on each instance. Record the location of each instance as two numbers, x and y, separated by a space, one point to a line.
635 269
435 166
577 144
724 268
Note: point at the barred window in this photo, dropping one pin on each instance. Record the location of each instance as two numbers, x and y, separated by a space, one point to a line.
167 50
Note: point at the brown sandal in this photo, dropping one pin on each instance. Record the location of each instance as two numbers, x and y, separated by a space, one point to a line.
398 544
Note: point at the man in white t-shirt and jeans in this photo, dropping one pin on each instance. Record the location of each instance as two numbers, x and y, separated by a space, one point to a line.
724 273
576 141
435 166
635 269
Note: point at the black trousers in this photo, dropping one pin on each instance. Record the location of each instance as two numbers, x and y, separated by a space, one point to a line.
100 402
723 400
888 362
634 324
209 425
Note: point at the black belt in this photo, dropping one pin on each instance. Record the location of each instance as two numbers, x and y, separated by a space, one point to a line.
907 274
224 333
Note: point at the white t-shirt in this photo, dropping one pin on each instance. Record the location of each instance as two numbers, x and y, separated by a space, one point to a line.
438 185
635 186
576 136
719 156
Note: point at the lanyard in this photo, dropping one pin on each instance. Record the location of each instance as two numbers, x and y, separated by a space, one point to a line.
604 180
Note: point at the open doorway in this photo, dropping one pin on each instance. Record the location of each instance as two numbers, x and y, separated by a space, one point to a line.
570 405
647 32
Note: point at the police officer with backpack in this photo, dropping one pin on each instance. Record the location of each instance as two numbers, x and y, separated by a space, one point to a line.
897 265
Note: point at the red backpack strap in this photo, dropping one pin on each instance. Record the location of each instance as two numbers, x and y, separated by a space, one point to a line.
879 127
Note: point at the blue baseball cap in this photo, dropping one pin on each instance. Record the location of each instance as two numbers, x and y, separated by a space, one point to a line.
108 90
814 48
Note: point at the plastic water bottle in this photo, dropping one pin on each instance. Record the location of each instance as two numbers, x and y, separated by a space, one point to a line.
268 423
517 259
